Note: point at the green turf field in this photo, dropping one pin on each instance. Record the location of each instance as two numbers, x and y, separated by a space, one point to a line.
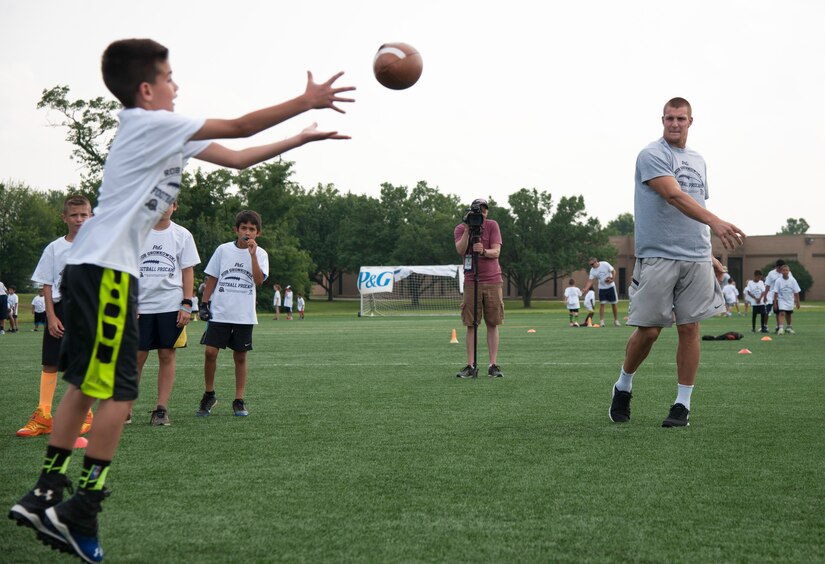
362 446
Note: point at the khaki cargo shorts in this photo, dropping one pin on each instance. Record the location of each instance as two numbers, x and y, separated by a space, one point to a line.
490 303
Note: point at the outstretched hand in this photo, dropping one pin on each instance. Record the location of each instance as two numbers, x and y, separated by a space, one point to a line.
730 235
324 95
311 133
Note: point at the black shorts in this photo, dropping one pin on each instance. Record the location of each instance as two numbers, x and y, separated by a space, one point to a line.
40 317
221 335
158 330
50 353
99 349
286 309
4 306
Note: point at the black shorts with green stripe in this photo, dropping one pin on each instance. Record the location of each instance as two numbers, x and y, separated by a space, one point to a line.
100 343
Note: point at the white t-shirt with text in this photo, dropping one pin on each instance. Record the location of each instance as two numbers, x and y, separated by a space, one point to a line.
141 179
164 255
601 273
785 290
234 298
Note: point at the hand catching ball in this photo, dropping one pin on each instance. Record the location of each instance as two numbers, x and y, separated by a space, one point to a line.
397 65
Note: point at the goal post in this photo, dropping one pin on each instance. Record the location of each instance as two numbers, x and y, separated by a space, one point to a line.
410 290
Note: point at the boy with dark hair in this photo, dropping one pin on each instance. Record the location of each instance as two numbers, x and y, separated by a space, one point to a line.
167 282
141 179
235 270
49 273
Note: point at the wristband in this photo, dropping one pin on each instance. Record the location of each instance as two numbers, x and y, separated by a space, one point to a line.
186 301
186 309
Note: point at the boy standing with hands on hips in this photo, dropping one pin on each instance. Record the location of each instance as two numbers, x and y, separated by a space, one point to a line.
141 179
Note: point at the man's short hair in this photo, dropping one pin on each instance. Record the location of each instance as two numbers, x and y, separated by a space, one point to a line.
677 103
75 200
128 63
249 216
779 263
757 272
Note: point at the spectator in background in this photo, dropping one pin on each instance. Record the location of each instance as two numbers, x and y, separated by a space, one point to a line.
605 274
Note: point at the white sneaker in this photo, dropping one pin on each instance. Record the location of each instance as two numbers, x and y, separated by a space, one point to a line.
781 331
616 323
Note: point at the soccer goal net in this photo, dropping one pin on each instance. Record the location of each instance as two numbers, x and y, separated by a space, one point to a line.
410 290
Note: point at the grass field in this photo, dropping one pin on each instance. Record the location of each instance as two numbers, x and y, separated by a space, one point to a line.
362 446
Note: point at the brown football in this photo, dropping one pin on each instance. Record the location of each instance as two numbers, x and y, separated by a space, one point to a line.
397 65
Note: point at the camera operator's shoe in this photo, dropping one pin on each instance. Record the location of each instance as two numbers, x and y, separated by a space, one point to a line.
467 372
159 417
73 525
30 511
494 371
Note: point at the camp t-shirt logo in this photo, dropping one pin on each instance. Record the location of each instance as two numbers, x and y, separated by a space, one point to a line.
690 179
156 263
166 190
236 280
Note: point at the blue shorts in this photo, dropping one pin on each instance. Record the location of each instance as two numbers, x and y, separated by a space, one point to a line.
158 330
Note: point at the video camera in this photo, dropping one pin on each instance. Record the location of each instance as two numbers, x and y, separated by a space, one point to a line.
473 217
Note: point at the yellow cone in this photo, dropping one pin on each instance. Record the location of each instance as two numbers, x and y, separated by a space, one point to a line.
454 339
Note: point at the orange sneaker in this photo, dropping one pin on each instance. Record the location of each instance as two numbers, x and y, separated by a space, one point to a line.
39 424
87 424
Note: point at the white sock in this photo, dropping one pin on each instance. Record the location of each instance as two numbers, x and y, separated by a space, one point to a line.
625 381
683 396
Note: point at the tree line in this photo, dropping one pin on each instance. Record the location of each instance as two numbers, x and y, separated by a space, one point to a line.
312 235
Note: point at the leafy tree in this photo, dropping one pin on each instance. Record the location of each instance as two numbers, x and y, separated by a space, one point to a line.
320 215
90 126
794 227
362 242
27 225
543 241
803 277
425 236
623 225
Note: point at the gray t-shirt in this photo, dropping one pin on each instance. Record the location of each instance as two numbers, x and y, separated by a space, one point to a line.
662 231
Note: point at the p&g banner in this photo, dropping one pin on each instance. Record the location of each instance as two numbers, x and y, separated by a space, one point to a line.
374 279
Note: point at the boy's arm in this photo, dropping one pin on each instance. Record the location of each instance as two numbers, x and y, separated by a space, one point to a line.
316 96
218 154
54 327
211 283
188 276
257 273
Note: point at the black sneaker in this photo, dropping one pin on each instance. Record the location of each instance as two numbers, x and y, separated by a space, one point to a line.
207 403
678 416
128 418
620 406
494 371
73 525
467 372
160 417
30 511
239 408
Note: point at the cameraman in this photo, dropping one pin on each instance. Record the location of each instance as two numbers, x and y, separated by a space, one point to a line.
490 300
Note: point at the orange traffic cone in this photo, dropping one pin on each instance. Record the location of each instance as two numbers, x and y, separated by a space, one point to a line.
454 339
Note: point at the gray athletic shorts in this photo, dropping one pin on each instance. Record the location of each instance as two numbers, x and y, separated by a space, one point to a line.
662 288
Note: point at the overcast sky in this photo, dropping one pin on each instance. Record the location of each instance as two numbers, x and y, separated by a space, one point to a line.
554 96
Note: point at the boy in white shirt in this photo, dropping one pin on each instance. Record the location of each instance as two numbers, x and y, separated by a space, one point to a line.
731 293
755 296
167 282
141 179
301 304
571 298
786 297
589 305
39 310
235 270
48 306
